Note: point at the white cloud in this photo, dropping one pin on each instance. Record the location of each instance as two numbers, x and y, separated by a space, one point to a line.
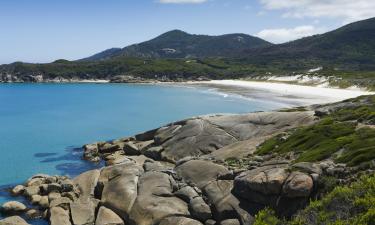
348 10
282 35
182 1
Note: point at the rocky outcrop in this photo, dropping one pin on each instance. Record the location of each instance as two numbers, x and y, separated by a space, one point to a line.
182 174
277 185
214 136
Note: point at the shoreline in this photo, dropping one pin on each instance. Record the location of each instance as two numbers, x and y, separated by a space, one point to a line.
285 93
294 94
272 90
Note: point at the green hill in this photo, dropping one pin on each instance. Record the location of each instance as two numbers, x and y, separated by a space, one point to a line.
350 47
179 44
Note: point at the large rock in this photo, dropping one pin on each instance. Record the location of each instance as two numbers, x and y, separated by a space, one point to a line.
108 217
143 145
131 149
195 137
266 180
53 187
140 159
120 184
225 204
273 185
298 185
200 172
230 222
308 167
109 148
199 209
186 193
59 216
179 221
238 150
83 212
62 202
13 207
53 196
206 134
32 190
13 220
91 152
35 199
18 190
155 199
87 182
35 181
44 202
154 152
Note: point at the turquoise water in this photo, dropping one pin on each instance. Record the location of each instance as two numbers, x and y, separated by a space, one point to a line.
42 126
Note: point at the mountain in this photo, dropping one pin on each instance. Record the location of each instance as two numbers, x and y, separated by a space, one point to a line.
351 46
106 54
179 44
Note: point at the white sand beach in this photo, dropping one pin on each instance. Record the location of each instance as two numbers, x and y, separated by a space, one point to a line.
288 93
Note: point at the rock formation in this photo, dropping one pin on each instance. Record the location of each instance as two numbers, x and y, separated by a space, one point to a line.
181 174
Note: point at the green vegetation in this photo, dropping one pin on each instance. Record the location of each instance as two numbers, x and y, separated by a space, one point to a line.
351 47
266 217
214 68
338 135
364 113
315 142
353 204
360 147
238 163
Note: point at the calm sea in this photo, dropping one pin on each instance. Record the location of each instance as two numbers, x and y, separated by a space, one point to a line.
42 126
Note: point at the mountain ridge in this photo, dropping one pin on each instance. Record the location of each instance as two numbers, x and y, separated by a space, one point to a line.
180 44
353 43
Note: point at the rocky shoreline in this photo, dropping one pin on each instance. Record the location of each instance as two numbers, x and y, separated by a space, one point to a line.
203 170
40 78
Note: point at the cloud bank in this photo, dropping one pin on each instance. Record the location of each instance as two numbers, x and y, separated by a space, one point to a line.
347 10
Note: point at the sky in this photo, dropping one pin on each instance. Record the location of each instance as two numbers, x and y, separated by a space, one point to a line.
47 30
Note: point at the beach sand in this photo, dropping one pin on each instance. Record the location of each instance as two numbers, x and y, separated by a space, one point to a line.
290 94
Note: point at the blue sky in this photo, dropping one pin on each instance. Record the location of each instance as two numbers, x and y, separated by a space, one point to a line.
46 30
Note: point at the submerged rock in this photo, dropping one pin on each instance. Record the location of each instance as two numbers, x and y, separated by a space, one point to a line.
18 190
14 220
13 207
